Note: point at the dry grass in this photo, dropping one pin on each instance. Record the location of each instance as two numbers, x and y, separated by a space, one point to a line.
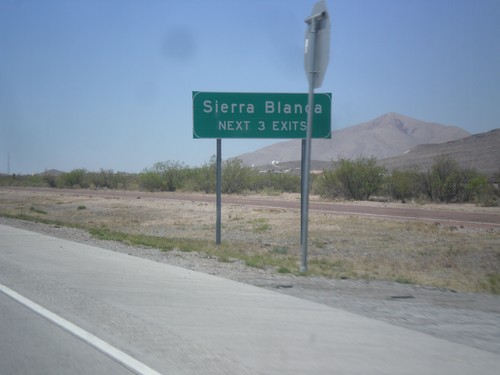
465 259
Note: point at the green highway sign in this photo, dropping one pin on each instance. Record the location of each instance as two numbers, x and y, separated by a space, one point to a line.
259 115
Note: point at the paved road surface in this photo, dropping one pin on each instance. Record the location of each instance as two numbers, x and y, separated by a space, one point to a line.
178 321
31 344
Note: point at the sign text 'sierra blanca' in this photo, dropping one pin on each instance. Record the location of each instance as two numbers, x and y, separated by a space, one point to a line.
256 115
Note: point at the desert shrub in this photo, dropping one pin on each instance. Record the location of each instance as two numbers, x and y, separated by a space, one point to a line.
403 185
328 185
123 180
273 181
355 179
108 179
163 176
77 178
51 180
444 181
204 177
482 192
102 179
475 186
235 176
22 180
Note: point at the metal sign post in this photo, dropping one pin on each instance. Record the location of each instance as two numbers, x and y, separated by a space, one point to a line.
273 115
256 115
316 56
218 193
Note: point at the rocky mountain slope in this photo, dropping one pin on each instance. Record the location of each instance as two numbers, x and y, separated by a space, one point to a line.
386 136
479 151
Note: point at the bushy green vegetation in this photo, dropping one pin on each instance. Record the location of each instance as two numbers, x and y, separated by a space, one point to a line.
77 178
353 179
164 176
358 179
403 185
237 178
444 182
23 180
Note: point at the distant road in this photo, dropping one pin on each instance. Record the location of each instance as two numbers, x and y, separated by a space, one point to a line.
452 217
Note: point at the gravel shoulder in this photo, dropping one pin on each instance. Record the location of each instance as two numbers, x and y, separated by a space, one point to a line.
469 318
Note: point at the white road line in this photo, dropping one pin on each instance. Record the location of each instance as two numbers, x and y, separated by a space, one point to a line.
108 349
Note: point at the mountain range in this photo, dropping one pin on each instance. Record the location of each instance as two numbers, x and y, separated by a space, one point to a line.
395 140
479 151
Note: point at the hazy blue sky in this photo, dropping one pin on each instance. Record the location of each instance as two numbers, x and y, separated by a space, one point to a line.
107 84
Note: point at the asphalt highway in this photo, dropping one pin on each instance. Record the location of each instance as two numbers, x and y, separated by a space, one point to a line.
32 344
170 320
